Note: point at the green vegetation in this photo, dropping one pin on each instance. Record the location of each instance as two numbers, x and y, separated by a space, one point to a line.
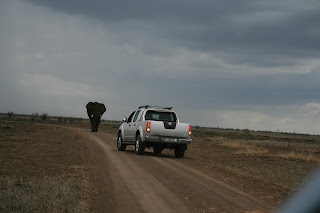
44 116
10 114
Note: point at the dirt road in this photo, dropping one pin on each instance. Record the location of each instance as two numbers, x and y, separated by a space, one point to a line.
126 182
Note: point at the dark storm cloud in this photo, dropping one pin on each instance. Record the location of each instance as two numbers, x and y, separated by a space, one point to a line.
144 9
251 32
233 92
235 62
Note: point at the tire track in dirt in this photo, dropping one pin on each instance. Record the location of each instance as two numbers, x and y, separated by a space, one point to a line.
150 183
214 194
134 188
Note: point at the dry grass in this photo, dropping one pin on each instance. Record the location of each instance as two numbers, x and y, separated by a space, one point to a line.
253 149
48 194
30 162
245 149
42 169
300 156
235 145
266 161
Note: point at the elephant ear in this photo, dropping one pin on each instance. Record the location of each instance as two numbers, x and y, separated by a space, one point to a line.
89 107
103 109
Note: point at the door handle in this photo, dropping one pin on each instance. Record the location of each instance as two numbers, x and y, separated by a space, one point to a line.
129 125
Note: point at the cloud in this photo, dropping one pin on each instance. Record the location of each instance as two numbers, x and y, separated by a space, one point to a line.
244 64
46 85
311 110
253 33
298 119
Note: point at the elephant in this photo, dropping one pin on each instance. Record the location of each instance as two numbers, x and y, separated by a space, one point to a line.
95 111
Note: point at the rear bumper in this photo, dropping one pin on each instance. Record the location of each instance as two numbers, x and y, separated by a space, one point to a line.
160 139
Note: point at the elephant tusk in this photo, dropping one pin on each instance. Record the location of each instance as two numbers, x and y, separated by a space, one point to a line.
91 115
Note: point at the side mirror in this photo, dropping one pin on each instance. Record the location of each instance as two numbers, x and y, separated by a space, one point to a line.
124 119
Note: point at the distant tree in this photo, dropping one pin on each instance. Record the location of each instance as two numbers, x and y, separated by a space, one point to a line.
44 116
33 116
246 130
10 114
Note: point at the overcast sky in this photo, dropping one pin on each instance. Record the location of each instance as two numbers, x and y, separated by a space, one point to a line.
233 64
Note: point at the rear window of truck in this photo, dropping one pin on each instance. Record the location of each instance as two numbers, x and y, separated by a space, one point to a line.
160 116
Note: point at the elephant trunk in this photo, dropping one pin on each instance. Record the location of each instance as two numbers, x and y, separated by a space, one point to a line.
94 124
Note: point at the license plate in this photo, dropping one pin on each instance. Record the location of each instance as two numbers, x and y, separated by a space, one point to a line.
169 140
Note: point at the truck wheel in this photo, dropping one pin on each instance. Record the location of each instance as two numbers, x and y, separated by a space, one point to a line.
179 150
120 145
157 149
139 147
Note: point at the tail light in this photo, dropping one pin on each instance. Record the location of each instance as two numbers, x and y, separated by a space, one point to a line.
148 127
190 130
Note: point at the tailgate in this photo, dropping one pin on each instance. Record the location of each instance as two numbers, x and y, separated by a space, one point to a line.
181 130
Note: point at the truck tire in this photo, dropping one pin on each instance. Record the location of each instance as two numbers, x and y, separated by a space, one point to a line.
120 145
139 146
179 150
157 149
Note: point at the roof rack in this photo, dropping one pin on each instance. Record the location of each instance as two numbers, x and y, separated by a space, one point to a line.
158 107
145 106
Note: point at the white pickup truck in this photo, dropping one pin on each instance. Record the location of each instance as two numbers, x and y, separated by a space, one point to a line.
156 127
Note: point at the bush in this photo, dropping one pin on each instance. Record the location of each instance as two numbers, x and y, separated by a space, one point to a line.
44 116
10 114
33 116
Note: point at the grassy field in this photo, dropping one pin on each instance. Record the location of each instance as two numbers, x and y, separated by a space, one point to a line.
44 168
284 160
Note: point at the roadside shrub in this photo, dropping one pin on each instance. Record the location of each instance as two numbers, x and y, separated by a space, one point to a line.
246 130
33 116
44 116
10 114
